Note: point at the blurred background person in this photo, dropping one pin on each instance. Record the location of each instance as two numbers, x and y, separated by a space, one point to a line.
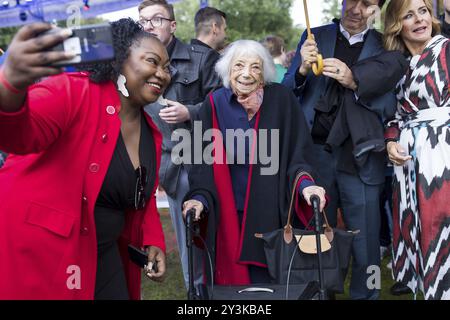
289 57
275 45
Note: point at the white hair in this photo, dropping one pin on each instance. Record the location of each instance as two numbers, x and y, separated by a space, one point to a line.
245 48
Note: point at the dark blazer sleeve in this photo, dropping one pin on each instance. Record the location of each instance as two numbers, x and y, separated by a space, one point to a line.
378 75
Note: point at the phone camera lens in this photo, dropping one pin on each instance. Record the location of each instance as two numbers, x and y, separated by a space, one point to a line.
23 16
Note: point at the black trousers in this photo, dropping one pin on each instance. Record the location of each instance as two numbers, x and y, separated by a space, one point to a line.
110 281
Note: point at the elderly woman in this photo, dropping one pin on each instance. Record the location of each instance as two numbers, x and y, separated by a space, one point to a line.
245 194
419 147
79 183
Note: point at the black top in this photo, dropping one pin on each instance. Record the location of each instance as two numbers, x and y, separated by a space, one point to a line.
345 52
118 190
348 54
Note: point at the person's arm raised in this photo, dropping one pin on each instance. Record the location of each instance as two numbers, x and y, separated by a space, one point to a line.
27 62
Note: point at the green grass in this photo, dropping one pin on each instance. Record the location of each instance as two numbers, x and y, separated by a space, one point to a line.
386 283
173 286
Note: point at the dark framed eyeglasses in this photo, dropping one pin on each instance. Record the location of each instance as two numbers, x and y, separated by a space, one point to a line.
155 22
141 183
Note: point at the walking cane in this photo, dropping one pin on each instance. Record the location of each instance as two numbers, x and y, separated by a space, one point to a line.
317 67
191 230
315 202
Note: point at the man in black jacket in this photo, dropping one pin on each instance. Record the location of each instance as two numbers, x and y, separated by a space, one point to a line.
210 28
193 77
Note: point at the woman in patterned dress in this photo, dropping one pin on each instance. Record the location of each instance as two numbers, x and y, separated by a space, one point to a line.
418 144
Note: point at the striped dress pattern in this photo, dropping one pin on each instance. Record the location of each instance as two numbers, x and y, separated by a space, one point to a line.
421 187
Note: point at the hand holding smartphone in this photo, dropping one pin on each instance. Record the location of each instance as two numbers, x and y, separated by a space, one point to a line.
93 43
140 257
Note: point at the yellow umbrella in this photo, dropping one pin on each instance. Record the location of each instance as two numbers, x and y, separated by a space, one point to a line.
317 68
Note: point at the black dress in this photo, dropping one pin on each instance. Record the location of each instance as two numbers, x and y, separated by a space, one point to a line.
117 195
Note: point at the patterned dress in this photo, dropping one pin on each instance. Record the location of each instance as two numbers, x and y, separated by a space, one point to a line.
421 187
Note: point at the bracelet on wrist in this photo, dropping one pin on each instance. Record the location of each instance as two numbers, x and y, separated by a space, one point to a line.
8 86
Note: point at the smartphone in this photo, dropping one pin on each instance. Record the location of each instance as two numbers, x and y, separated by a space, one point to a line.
93 43
139 257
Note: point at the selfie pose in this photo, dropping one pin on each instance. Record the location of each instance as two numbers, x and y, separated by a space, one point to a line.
419 147
78 186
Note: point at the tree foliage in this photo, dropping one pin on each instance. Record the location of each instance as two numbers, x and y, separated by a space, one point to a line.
249 19
332 10
6 35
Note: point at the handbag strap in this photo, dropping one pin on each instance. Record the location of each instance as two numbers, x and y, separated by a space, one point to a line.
327 225
291 204
288 235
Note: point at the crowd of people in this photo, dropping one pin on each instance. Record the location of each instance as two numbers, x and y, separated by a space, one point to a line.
88 149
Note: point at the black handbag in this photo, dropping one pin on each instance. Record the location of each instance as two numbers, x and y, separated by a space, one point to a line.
291 254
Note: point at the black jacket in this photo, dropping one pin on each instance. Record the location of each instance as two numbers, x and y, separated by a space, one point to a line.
194 76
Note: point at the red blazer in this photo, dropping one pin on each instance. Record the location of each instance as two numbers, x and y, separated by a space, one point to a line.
62 141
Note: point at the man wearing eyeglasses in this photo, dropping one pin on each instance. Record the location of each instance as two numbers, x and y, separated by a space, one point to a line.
193 77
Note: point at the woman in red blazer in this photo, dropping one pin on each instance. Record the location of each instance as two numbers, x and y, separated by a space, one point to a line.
79 183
